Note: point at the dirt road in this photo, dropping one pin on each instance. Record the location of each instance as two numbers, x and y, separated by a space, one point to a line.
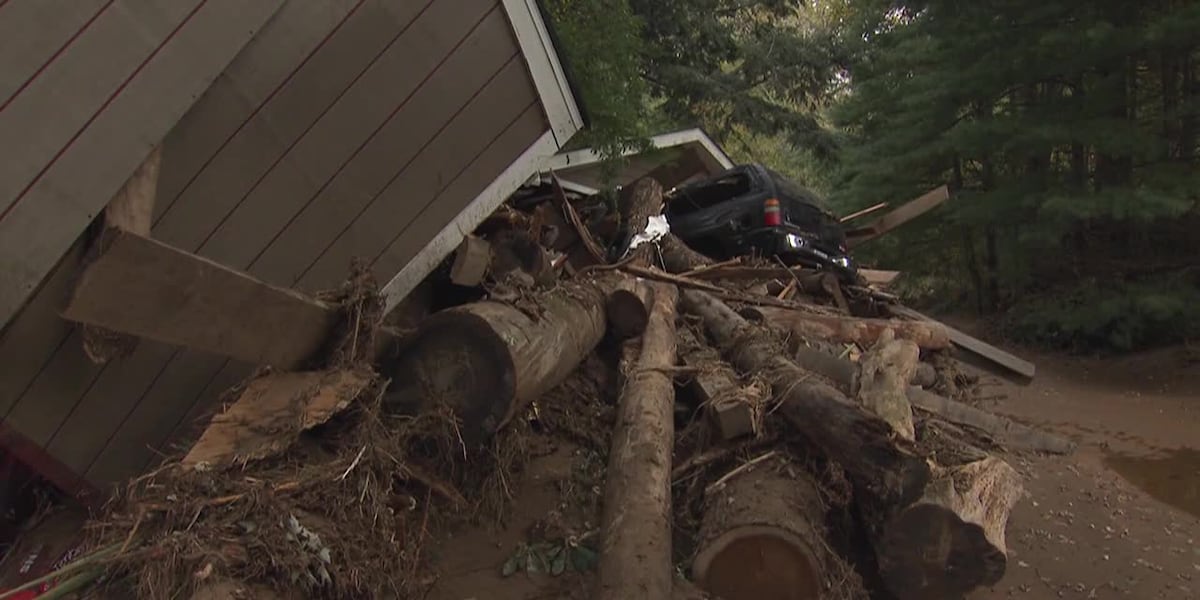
1120 518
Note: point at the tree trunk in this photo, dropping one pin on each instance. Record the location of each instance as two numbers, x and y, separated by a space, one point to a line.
488 360
880 465
628 308
952 540
1003 430
886 370
679 257
645 200
635 557
849 330
762 535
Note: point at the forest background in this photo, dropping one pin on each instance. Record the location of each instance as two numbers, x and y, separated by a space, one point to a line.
1067 131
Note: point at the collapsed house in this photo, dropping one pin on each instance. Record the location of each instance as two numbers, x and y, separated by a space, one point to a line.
178 251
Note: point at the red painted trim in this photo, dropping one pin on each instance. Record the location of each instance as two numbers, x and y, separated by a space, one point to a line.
41 462
53 57
102 108
167 206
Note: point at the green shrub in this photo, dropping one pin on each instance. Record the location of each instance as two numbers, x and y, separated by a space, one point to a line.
1110 316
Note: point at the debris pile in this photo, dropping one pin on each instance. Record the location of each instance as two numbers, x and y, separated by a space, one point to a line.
770 431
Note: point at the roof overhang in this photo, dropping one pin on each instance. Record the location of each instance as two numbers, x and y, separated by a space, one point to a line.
674 158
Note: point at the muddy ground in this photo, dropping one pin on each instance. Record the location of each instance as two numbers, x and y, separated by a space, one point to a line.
1118 519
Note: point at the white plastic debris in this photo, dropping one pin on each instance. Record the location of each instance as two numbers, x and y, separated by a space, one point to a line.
656 228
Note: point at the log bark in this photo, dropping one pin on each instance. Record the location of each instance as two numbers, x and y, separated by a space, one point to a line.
678 257
628 308
882 466
643 201
885 372
1002 429
488 360
850 330
635 557
952 540
762 535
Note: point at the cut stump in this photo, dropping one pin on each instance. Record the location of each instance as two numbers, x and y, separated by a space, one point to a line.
761 535
952 540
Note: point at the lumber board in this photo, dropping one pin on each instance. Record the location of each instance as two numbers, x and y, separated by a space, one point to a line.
901 215
146 288
879 278
979 352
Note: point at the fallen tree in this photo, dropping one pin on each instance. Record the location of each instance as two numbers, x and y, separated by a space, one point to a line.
849 330
763 534
635 560
488 360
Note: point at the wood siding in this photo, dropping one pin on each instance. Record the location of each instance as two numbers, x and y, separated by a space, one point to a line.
343 129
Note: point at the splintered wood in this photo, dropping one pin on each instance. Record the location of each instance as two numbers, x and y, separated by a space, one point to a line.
271 412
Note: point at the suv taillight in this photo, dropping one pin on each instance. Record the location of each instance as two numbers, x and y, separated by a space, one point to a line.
771 214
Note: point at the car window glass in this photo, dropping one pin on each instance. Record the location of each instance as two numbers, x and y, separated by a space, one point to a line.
708 193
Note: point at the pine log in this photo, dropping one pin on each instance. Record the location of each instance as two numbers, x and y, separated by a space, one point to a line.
952 540
488 360
762 535
678 257
628 308
884 467
635 556
643 201
885 372
1002 429
850 330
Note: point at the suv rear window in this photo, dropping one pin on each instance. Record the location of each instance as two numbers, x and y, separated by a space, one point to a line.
705 194
788 188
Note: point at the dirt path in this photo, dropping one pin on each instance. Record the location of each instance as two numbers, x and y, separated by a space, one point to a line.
1120 518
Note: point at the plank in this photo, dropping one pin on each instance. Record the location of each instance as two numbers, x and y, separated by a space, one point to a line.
864 212
93 166
979 352
146 288
879 278
899 216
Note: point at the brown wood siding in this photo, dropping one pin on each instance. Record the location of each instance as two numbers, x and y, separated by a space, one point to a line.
334 130
282 198
82 121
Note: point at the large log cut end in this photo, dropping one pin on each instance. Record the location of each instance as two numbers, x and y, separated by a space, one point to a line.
761 537
487 361
952 540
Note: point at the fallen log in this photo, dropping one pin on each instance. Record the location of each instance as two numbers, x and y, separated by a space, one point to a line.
762 536
1002 429
960 520
643 201
882 466
885 372
850 330
678 257
628 308
635 556
488 360
734 409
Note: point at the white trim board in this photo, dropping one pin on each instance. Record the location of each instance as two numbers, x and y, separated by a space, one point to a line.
588 156
520 171
562 110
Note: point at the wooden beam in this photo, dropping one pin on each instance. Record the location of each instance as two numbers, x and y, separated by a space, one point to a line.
901 215
864 212
879 278
979 352
146 288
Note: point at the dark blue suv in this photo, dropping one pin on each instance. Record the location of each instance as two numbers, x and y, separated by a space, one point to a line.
751 209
